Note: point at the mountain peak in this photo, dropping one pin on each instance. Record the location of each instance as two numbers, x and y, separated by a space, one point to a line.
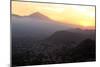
38 15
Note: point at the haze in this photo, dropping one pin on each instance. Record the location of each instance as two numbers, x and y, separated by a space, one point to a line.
81 16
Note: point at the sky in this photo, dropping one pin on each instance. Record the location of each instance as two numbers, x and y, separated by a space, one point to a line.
89 2
77 15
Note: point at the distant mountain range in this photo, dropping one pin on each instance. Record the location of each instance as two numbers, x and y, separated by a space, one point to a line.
39 27
36 25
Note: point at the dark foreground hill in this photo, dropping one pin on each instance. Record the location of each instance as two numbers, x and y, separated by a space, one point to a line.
71 36
85 51
60 47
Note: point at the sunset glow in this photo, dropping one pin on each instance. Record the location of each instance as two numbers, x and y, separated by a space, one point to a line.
80 16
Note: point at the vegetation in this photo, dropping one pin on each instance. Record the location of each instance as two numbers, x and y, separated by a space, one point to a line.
47 53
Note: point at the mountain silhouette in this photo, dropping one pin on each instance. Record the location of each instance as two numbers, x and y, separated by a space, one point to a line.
71 36
39 16
85 51
35 25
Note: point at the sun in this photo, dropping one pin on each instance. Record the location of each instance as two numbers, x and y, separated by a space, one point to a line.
84 24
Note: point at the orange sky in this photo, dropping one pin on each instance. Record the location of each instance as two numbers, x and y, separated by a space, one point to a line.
80 16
